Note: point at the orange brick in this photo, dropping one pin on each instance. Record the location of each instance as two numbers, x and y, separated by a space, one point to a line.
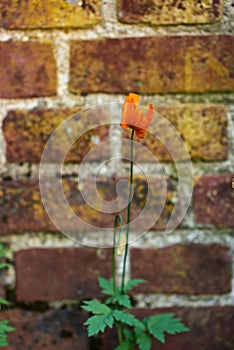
27 132
157 12
202 128
158 64
49 14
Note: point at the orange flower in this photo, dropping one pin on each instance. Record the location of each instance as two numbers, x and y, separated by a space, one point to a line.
133 117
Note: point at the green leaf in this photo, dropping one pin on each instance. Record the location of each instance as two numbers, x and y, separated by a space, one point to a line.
106 285
3 265
127 318
4 302
128 334
96 307
164 323
144 340
98 323
3 251
133 283
121 299
4 326
126 345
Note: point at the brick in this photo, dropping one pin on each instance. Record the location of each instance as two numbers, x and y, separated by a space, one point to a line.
183 269
67 273
210 328
27 132
28 69
170 12
21 208
202 128
213 200
50 14
155 64
51 330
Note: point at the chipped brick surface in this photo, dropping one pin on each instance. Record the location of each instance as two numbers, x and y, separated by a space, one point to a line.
153 64
203 130
27 132
158 12
213 200
210 328
22 210
49 14
28 69
60 273
183 269
52 330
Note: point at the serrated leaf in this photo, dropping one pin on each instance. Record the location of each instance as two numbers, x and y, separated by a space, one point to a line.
144 340
98 323
126 345
121 299
96 307
128 334
3 340
127 318
133 283
106 285
4 327
165 323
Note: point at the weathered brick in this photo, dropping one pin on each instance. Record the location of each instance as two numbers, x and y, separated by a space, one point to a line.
213 200
67 273
156 64
59 329
210 328
202 128
21 206
187 269
157 12
27 132
28 69
50 14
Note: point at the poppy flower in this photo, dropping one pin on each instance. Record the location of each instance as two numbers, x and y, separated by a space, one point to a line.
133 117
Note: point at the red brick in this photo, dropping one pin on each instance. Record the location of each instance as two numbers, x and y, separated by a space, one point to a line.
50 14
183 269
202 128
27 132
158 64
210 328
28 69
21 207
60 273
213 200
51 330
170 12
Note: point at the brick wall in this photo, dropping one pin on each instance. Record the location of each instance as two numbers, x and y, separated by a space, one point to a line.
57 57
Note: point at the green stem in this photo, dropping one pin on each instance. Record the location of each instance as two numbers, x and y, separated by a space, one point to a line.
129 212
119 332
117 217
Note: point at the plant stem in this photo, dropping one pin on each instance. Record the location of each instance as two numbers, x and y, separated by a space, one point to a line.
119 332
129 212
117 217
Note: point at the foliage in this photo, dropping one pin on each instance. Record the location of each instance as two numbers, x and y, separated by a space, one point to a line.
4 326
131 331
134 331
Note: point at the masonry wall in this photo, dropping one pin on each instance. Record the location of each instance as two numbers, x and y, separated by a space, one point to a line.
57 57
